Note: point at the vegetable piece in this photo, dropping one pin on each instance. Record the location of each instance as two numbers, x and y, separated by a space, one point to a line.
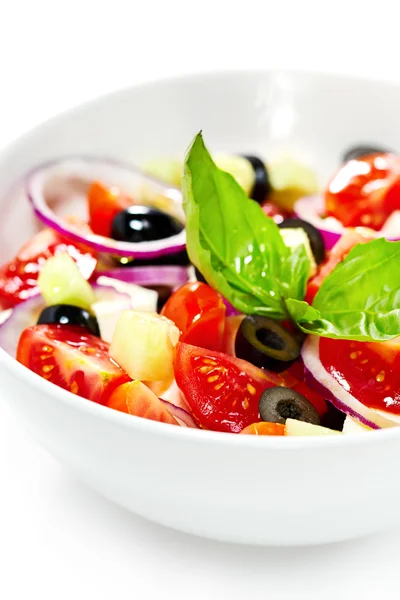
297 239
165 169
263 428
301 428
351 425
135 398
355 152
222 392
107 314
18 278
360 298
280 403
104 204
365 191
290 180
261 186
315 239
60 188
67 314
137 224
183 417
143 344
236 247
325 382
266 343
341 249
61 282
171 276
199 312
141 298
72 359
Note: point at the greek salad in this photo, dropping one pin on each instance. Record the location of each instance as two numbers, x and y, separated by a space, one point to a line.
219 292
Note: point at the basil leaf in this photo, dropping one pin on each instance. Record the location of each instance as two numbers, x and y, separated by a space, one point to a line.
237 248
359 299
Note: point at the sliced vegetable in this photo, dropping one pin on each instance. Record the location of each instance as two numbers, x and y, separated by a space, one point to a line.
290 180
183 417
67 314
263 428
171 276
61 282
339 392
141 298
261 186
365 191
72 359
61 188
315 241
280 403
294 427
199 312
18 278
104 204
143 344
141 224
136 399
351 426
222 392
266 343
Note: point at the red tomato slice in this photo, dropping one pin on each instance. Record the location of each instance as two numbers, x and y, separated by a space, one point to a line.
104 204
135 398
264 428
18 278
72 359
199 312
370 371
222 392
340 250
365 191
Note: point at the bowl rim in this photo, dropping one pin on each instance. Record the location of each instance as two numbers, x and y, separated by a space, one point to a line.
132 422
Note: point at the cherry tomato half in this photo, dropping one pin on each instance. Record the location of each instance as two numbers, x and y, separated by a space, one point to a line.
365 191
18 278
135 398
199 312
72 359
104 204
222 391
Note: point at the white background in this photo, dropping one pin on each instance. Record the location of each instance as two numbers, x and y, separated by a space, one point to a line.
58 540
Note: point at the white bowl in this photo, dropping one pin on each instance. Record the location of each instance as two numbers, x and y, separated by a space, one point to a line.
247 489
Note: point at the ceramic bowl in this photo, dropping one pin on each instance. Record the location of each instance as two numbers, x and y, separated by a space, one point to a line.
246 489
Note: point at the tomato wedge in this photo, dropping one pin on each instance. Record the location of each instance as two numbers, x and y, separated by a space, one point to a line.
199 312
222 391
340 250
135 398
104 204
369 371
72 359
264 428
18 278
365 191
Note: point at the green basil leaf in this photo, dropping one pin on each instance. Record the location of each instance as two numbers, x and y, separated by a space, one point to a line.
360 299
237 248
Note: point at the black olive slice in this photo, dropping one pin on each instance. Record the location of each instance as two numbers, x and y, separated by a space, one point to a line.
262 185
138 224
314 236
67 314
280 403
265 343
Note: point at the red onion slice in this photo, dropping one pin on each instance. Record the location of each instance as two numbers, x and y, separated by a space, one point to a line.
183 417
312 208
59 189
319 378
171 276
27 313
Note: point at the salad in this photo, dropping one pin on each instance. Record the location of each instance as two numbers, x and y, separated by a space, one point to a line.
218 293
